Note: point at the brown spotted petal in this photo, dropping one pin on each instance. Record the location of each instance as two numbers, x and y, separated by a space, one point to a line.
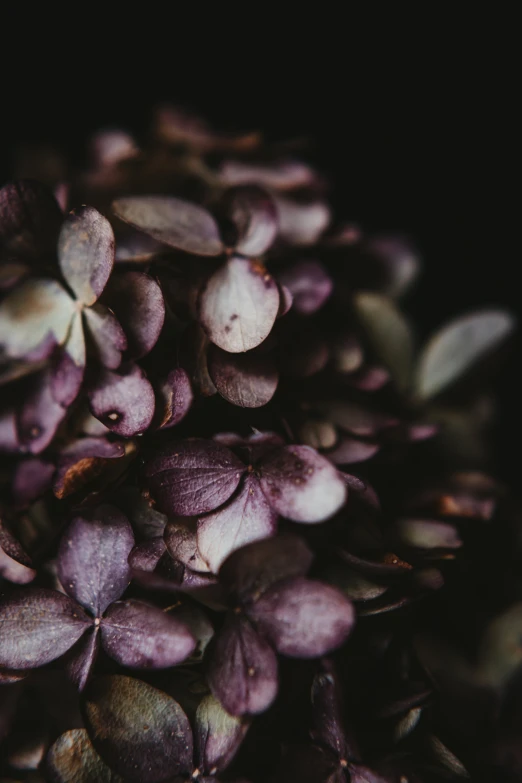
86 253
81 461
72 759
242 669
247 517
304 618
247 380
138 730
302 485
123 401
92 561
177 223
253 215
239 305
37 626
191 477
137 301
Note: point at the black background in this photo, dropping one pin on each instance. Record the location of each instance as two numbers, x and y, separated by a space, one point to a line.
413 120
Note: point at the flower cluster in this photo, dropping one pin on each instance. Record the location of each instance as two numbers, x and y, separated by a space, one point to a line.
237 491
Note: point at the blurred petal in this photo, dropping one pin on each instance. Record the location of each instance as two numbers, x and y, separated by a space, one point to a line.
174 222
8 434
254 568
143 636
301 224
181 541
355 418
86 253
400 261
72 759
500 652
428 534
116 711
191 477
242 669
37 313
81 461
108 339
137 300
458 346
40 415
246 380
280 175
175 125
174 397
111 146
29 220
92 562
318 433
32 477
218 735
239 305
304 618
246 518
302 485
38 626
80 659
309 284
350 450
123 401
69 367
254 216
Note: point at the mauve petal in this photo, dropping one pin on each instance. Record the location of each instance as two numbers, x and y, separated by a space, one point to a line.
253 214
11 546
350 450
92 562
181 541
146 521
355 418
137 301
31 479
217 735
86 253
285 301
15 564
247 380
69 365
399 261
123 401
107 338
458 346
143 636
304 618
247 517
172 221
174 397
254 568
9 443
80 659
301 224
81 461
37 626
279 175
40 415
110 146
302 485
29 219
116 711
328 727
146 555
191 477
239 305
369 379
34 318
309 284
242 671
72 759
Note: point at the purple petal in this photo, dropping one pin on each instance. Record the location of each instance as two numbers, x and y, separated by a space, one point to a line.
116 711
108 339
9 443
174 397
309 284
146 555
142 636
37 626
350 450
369 379
191 477
328 724
285 301
80 659
301 224
123 401
246 380
239 305
40 416
34 318
244 519
92 558
172 221
181 541
218 735
15 564
29 219
304 618
254 568
146 521
302 485
69 367
458 346
31 479
400 261
81 461
86 253
254 217
242 670
137 300
110 146
72 759
280 175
